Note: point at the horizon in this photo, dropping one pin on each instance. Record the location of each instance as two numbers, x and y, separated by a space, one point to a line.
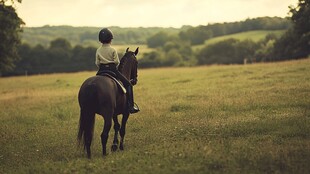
150 26
147 14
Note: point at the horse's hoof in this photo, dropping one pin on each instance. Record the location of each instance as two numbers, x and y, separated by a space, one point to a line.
121 147
114 148
104 153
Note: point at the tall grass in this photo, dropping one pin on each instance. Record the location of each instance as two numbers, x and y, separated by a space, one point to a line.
210 119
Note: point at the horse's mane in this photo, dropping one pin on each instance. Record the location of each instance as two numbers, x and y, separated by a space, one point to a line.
123 62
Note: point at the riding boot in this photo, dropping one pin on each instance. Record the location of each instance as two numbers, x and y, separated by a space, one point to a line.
131 105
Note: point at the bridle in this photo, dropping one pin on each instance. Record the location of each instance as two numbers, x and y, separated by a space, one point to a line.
130 57
134 70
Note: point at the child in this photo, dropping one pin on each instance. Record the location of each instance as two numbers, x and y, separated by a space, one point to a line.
107 60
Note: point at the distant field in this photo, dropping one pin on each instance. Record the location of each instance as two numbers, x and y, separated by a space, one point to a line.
253 35
251 118
143 48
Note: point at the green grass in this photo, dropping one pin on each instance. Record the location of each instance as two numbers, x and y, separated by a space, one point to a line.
142 49
253 35
211 119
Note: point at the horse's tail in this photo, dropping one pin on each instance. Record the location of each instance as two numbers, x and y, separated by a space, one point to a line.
87 99
86 128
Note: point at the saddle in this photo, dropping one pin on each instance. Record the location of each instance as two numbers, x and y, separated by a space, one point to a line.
112 75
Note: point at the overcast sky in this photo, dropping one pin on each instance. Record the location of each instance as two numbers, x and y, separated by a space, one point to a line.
146 13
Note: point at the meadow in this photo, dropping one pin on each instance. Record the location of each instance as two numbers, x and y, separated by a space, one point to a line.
252 118
255 36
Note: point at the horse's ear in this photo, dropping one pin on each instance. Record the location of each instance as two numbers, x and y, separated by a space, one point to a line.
137 51
127 49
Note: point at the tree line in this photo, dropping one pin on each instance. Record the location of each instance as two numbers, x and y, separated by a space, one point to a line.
230 51
10 27
176 50
88 36
171 47
198 35
60 56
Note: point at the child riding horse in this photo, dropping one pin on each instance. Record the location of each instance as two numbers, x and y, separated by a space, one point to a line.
107 60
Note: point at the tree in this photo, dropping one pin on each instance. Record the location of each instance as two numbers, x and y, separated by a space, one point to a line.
230 51
158 40
83 58
265 48
172 58
151 59
60 54
12 1
10 27
295 43
218 53
196 35
244 50
301 26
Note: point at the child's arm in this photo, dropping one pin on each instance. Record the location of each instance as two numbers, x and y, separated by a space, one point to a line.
115 58
97 62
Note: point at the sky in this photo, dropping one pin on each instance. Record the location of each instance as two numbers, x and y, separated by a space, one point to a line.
146 13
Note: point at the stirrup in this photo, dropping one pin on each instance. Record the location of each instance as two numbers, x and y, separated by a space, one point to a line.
135 108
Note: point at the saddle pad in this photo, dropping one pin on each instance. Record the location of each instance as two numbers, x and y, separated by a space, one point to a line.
119 84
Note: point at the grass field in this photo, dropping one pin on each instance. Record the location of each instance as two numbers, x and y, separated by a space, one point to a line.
142 48
211 119
253 35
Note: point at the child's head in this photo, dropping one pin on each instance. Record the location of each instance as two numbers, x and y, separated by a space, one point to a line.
105 36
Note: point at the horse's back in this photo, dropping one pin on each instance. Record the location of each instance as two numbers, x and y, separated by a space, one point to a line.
97 92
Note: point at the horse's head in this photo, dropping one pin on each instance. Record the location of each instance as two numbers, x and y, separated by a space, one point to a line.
129 65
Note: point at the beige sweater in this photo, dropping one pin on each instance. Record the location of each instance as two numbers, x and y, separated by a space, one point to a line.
106 54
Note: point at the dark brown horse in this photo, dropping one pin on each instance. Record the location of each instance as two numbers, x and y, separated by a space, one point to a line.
100 95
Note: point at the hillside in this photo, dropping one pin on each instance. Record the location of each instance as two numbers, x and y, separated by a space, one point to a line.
87 36
209 119
252 35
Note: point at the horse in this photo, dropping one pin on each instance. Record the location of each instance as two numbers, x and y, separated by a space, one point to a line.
101 95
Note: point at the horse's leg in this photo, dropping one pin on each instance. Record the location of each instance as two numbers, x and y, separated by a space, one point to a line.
123 130
105 132
116 128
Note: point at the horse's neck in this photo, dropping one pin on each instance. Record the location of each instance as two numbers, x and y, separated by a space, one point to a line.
126 72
